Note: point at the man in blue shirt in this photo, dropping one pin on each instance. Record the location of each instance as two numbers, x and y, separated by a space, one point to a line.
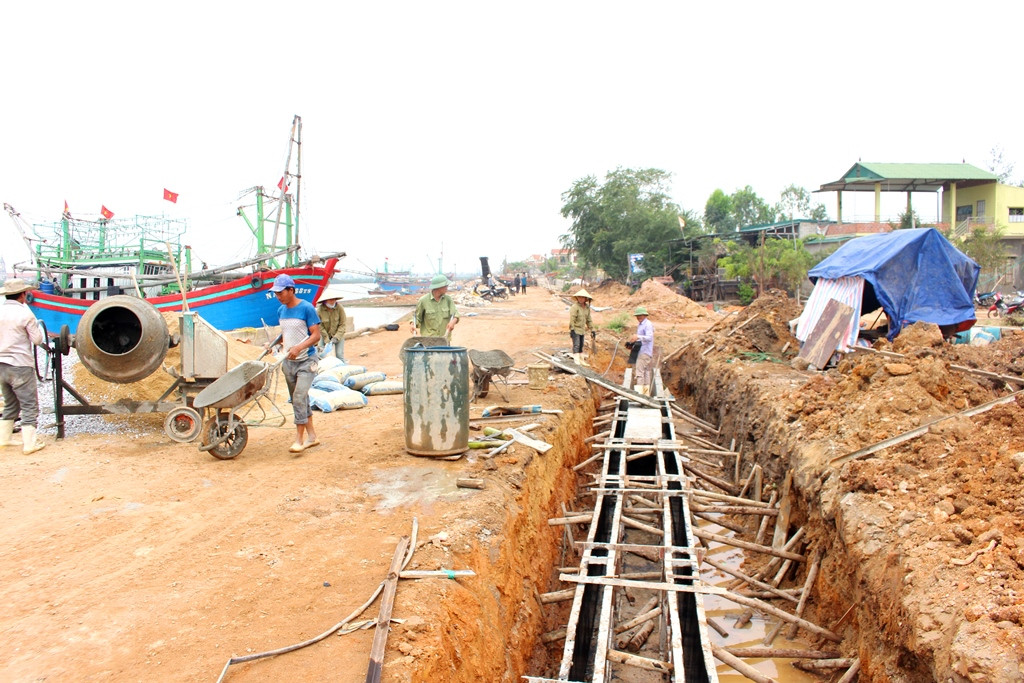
300 332
644 335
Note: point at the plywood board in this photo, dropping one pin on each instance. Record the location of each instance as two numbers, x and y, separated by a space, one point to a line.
643 424
827 334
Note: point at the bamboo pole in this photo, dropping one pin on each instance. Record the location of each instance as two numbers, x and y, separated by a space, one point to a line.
764 607
387 603
812 574
556 596
825 664
780 653
747 545
750 672
648 611
735 509
712 495
851 673
750 580
620 657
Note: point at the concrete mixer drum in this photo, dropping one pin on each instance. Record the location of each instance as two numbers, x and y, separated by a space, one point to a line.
122 339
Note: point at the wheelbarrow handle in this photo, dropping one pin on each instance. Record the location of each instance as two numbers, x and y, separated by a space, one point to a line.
270 348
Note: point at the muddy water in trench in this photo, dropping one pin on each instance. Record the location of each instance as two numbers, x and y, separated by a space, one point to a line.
751 635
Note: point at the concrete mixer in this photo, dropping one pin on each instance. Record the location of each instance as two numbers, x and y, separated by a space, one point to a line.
123 339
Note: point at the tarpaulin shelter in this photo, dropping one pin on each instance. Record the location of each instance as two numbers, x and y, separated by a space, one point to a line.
913 275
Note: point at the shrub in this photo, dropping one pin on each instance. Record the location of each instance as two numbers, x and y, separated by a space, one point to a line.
745 293
618 323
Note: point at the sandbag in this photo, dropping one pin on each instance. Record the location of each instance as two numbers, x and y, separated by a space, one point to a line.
328 361
325 382
359 381
391 386
342 372
329 401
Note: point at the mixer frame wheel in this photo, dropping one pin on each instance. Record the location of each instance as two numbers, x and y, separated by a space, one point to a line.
183 424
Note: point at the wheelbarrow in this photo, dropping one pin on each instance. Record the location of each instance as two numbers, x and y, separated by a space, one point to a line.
489 365
224 432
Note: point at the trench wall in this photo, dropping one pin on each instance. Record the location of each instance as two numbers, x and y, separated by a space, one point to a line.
489 628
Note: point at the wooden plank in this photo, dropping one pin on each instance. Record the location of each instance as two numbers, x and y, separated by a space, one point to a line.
782 520
827 334
387 603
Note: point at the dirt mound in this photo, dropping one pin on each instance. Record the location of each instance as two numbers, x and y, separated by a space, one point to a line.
608 293
659 299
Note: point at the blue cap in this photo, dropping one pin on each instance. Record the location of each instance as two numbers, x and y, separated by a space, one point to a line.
282 282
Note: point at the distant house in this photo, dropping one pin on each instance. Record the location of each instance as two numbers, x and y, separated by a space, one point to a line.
970 197
535 261
565 257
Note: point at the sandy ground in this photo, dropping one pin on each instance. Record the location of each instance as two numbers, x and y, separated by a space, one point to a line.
131 557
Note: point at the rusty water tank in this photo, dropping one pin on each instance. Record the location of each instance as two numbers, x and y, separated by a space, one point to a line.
122 339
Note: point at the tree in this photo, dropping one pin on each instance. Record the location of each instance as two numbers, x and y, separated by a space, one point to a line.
986 247
718 214
1000 165
749 209
795 202
629 213
775 262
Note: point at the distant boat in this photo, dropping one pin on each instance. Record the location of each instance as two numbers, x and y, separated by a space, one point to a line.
81 261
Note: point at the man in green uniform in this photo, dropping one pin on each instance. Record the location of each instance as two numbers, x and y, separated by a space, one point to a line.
436 315
332 321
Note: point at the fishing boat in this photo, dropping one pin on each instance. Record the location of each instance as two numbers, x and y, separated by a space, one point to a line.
78 261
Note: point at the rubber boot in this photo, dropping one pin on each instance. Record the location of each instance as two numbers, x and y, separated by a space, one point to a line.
28 439
6 430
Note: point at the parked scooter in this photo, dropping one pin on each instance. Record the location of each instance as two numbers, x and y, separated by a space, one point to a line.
1001 307
984 299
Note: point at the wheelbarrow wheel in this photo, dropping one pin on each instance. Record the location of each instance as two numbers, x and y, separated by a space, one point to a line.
183 424
233 443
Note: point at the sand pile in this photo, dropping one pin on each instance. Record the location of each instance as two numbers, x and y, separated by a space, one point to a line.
659 299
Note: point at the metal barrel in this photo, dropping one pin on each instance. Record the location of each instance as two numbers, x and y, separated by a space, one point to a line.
122 339
436 400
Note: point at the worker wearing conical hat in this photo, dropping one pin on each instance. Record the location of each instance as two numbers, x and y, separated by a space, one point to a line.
645 336
332 321
19 332
580 323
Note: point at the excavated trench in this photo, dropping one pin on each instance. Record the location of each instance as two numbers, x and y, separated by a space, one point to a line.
497 628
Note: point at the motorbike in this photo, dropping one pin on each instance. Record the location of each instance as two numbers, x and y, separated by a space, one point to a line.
489 293
1000 307
984 299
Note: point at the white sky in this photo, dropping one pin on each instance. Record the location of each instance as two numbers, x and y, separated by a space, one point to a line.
462 123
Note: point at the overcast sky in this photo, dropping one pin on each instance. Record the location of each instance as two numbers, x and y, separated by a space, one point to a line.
461 123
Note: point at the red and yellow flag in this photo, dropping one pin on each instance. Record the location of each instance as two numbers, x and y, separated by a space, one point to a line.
281 185
107 213
67 211
170 196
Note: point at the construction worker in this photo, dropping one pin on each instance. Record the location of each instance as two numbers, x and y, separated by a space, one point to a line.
332 321
300 330
580 323
436 315
645 336
19 330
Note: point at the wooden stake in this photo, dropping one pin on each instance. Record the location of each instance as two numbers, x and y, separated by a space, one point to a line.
380 637
556 596
780 653
747 545
812 574
649 610
762 606
469 483
640 662
750 672
825 664
851 673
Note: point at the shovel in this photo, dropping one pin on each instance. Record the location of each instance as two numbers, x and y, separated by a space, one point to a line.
593 345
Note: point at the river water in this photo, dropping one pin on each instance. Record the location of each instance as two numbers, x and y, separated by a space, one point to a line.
368 316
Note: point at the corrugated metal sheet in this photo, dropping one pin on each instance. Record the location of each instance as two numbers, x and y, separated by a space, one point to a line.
847 290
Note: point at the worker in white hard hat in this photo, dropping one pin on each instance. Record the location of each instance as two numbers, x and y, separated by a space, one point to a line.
580 323
645 336
436 314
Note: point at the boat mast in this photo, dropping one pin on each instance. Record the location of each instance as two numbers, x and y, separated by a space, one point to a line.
294 141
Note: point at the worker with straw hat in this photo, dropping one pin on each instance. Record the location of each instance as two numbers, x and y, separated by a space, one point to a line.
580 323
645 337
332 322
19 330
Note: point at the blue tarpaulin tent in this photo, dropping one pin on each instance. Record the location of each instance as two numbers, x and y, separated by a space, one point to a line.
913 275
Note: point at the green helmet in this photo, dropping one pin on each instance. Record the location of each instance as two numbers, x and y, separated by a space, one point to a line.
640 310
439 280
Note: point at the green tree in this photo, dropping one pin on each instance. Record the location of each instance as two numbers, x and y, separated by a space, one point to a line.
775 262
718 213
986 247
796 202
630 212
1000 165
750 209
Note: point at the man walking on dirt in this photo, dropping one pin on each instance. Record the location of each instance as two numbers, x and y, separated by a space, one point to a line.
580 322
645 336
300 332
332 321
19 330
436 315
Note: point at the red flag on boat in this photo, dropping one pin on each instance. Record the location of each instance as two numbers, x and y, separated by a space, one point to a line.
170 196
107 213
281 186
67 211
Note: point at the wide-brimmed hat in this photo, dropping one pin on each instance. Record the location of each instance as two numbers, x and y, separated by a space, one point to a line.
640 310
17 286
439 280
583 292
332 292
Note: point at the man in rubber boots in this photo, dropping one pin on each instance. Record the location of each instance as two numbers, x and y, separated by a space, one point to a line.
300 332
580 323
332 321
19 330
436 315
645 336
